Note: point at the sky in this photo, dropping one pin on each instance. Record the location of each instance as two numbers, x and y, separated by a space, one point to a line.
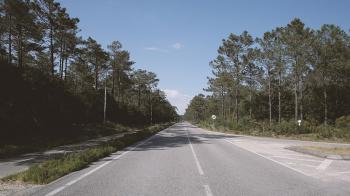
177 39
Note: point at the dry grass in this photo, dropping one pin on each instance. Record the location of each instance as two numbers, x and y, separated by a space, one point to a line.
329 150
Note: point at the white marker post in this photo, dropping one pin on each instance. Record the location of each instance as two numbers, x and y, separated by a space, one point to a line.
299 123
213 117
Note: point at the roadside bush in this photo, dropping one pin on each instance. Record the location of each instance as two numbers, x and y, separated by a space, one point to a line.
325 131
343 122
308 130
284 128
52 169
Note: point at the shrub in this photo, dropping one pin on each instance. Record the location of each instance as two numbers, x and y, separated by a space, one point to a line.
284 128
343 122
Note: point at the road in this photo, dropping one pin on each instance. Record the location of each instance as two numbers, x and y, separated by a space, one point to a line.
186 160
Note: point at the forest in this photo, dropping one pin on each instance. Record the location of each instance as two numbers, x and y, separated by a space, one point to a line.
52 79
292 80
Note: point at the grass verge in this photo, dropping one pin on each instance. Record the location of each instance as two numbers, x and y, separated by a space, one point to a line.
329 150
285 130
53 169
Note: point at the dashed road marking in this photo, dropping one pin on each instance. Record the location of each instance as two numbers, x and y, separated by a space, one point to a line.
199 167
200 170
207 190
324 165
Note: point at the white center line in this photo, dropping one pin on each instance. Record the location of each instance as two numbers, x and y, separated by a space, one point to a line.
59 189
200 170
207 190
324 164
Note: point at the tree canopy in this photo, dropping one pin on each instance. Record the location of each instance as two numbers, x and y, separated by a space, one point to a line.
40 49
290 73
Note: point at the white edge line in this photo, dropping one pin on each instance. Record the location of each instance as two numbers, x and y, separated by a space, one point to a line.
54 192
345 172
294 155
298 159
200 170
59 189
287 166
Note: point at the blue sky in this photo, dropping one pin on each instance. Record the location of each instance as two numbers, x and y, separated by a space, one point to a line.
176 39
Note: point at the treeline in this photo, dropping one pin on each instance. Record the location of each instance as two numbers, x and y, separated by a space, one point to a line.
51 77
293 73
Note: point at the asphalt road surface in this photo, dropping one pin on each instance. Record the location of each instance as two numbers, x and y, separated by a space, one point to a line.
186 160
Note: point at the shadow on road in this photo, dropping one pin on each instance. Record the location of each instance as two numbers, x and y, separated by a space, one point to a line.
26 160
178 135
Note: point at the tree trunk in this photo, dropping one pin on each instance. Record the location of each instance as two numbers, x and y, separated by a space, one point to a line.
151 109
151 113
20 48
105 103
279 97
325 105
139 97
64 57
236 104
301 98
325 101
96 74
296 100
113 84
251 85
270 103
51 51
250 103
336 105
61 60
96 78
325 96
222 103
119 85
229 108
65 67
10 40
